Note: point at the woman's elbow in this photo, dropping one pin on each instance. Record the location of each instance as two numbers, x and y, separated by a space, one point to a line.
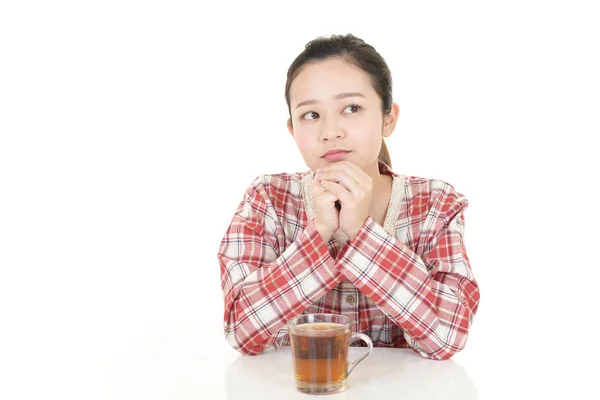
442 350
439 355
245 347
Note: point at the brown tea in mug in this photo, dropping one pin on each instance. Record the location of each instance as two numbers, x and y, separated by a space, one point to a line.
320 352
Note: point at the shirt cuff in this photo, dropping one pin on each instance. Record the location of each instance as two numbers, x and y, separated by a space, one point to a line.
373 254
312 247
361 236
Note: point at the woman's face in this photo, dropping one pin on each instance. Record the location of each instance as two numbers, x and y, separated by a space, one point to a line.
334 106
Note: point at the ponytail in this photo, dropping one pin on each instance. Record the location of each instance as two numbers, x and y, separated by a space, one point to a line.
384 155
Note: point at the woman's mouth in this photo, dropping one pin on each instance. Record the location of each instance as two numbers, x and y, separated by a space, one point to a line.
335 155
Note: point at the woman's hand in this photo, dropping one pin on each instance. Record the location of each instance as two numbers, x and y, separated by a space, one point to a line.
326 215
353 187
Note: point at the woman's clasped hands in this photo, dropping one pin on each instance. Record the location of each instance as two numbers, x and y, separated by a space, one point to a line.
348 183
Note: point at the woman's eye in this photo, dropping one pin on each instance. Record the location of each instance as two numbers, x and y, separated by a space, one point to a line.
310 113
353 107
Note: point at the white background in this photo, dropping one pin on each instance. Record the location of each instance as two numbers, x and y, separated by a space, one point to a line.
130 130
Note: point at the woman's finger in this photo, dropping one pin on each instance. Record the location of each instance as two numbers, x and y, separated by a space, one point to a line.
340 191
319 190
351 169
343 179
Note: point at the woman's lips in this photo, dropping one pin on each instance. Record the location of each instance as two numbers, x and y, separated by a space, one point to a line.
335 155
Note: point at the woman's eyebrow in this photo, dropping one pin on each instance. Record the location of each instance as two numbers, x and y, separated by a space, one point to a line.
336 97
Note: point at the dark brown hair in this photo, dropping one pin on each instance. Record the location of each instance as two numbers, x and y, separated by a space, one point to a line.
356 52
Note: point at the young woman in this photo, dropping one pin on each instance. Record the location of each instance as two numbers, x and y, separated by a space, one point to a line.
349 236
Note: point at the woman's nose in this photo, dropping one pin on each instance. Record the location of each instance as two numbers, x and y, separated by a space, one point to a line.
331 131
332 135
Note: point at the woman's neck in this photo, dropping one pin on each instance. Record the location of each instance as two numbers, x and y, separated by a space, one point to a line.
382 183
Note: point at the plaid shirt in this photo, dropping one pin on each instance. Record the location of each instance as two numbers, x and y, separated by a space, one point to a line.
406 284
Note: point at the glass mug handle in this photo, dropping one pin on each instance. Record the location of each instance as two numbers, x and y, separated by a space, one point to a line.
368 341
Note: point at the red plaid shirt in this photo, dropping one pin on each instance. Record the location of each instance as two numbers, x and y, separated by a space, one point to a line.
406 284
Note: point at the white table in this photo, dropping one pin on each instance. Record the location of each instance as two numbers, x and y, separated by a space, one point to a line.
383 375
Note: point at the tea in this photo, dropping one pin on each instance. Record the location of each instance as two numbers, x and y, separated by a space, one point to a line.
320 352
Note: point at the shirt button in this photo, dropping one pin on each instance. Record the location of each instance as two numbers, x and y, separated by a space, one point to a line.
350 300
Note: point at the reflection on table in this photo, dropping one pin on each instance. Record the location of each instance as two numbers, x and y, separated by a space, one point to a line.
397 372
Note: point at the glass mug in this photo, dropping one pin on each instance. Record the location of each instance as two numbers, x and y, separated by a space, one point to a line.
319 345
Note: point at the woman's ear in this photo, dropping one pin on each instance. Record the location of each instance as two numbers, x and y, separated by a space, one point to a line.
390 119
290 127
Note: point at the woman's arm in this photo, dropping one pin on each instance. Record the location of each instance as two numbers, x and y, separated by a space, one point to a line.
432 295
264 287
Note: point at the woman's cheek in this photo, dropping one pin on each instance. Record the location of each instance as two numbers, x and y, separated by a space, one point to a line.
304 140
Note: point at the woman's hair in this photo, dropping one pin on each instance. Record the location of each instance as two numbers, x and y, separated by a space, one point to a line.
357 52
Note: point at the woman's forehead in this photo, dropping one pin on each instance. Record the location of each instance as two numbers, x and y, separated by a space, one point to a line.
324 80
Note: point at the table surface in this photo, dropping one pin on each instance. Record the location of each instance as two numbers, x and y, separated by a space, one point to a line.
384 372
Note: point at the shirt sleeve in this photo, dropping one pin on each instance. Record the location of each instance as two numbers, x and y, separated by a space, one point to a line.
263 284
430 294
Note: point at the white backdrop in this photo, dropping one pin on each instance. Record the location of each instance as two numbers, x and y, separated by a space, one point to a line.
129 131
